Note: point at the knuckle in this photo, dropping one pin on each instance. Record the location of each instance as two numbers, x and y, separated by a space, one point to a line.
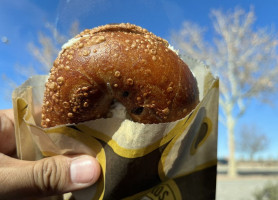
49 176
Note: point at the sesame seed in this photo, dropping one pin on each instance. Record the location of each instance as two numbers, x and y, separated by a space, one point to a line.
153 51
86 52
154 58
166 111
56 62
80 45
98 39
129 81
85 104
60 80
85 88
147 36
60 66
115 85
70 115
169 89
66 104
144 61
117 74
52 85
133 44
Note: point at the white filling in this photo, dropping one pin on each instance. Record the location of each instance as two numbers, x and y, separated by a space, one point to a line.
72 42
173 49
118 111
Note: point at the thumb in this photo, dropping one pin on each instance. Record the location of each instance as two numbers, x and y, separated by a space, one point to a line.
49 176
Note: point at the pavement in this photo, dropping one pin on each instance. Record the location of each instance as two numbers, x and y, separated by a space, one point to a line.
241 188
245 184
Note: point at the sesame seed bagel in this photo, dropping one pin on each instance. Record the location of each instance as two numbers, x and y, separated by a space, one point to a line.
123 63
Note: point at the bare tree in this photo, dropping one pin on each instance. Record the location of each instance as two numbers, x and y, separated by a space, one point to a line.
45 52
243 57
251 140
50 45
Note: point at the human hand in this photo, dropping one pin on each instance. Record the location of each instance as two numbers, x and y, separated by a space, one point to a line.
49 176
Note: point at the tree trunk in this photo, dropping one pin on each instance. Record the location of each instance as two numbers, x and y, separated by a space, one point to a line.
251 156
232 171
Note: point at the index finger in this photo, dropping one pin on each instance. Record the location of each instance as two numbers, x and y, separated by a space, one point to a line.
7 134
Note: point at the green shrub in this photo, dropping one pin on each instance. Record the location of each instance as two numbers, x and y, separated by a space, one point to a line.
268 192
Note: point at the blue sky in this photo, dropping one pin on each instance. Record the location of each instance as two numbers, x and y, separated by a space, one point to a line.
20 22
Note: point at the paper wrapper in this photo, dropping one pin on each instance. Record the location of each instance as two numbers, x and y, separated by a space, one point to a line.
170 161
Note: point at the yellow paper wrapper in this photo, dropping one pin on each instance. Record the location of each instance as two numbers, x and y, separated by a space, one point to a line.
170 161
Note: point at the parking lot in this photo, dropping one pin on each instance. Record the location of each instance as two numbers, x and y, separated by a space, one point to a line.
249 180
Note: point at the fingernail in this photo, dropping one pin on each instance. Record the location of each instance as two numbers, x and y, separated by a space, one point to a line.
82 169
